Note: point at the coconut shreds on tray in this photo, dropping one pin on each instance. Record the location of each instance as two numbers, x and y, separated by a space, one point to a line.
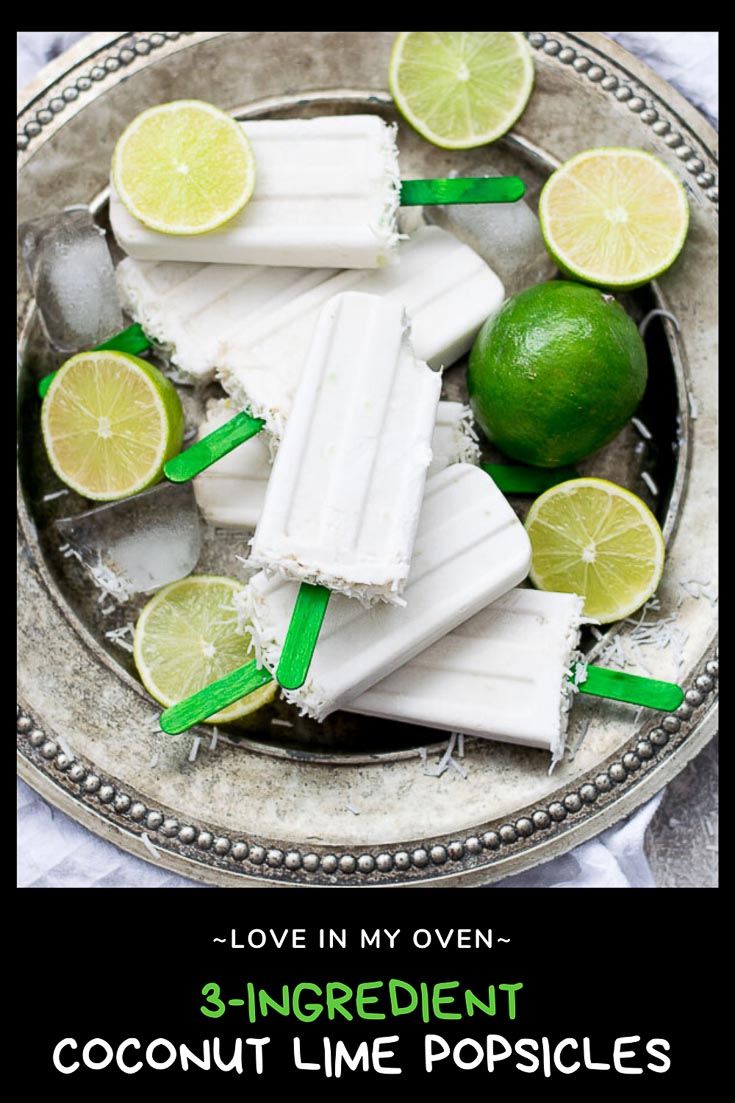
118 636
215 737
65 747
583 728
446 761
148 844
625 650
642 429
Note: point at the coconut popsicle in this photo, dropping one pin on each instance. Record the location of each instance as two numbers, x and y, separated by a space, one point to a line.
327 193
470 549
344 496
252 325
503 674
230 493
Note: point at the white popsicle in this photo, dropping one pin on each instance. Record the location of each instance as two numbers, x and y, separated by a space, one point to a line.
253 324
326 194
502 674
231 492
470 549
344 496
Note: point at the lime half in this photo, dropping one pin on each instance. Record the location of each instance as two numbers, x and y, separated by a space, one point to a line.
593 538
110 421
183 167
614 217
461 88
186 638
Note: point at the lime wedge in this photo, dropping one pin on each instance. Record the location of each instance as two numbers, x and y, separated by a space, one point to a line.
110 421
183 167
614 217
186 638
593 538
461 88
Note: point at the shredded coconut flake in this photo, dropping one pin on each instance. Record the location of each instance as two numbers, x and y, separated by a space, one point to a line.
642 429
693 408
649 483
443 764
194 748
460 745
56 494
65 747
154 760
351 808
458 768
583 728
149 845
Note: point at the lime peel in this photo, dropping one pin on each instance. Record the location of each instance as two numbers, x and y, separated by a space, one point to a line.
187 638
110 421
184 167
594 538
461 89
614 217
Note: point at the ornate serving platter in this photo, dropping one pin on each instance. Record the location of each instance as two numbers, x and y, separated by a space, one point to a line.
352 804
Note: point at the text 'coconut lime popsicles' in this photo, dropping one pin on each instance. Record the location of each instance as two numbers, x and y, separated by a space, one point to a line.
326 194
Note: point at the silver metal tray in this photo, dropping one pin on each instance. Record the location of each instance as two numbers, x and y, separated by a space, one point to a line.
350 804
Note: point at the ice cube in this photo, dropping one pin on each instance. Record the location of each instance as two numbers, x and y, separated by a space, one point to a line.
137 544
73 279
506 235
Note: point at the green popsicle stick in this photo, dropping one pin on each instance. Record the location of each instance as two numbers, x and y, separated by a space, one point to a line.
212 447
302 635
246 679
512 479
462 189
613 684
132 340
616 685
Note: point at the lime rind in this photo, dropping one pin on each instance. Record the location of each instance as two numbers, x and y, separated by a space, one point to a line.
423 89
145 166
628 571
598 276
163 399
170 667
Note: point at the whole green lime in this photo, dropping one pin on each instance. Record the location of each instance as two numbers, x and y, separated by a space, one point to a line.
556 373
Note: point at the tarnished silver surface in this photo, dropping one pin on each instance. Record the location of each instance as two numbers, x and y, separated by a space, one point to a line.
271 814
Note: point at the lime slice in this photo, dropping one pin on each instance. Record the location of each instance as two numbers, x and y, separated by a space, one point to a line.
186 638
183 167
614 217
594 538
461 88
110 421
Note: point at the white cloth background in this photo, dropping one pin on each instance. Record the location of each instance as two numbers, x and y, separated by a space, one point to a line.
55 852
